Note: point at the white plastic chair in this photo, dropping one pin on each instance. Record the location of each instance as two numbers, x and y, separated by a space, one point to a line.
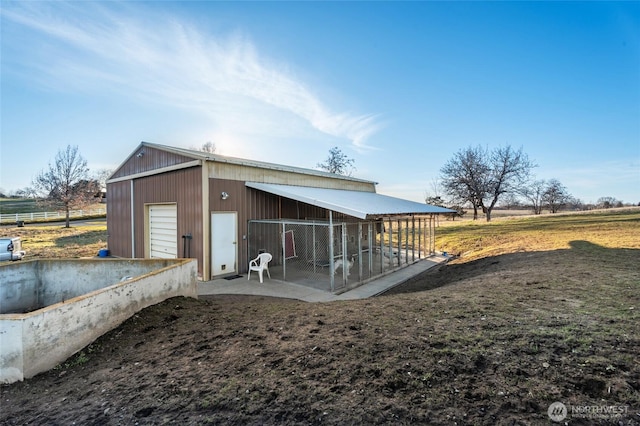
260 264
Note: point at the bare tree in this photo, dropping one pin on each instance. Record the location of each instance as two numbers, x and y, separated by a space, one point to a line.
555 196
510 169
208 147
511 201
463 177
26 192
434 201
337 162
433 196
533 193
606 202
481 177
101 177
66 183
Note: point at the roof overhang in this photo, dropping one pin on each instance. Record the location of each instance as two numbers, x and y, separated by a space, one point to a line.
360 204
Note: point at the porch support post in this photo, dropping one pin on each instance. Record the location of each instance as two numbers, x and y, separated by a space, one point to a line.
331 277
428 241
433 234
284 252
345 257
406 241
400 241
390 233
419 237
427 237
359 251
382 245
371 244
413 238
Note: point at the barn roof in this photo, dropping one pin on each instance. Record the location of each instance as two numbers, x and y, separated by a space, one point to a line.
360 204
217 158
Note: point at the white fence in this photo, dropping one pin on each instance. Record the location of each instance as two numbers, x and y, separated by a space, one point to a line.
48 216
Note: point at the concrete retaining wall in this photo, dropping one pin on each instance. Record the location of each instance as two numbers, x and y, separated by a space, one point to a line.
86 304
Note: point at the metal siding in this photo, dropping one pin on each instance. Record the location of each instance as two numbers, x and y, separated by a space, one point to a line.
182 187
151 159
248 203
119 219
292 209
251 204
249 173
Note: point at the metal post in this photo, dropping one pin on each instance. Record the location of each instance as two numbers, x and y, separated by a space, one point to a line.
432 223
133 222
419 238
413 238
382 245
370 236
249 229
359 251
406 240
427 234
284 253
331 277
315 260
390 243
344 254
400 241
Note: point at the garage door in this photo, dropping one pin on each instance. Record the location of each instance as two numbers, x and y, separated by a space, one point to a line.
163 231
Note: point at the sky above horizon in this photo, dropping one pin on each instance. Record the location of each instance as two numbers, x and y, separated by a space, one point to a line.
399 87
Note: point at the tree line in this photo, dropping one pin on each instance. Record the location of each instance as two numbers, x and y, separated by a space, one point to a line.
480 177
475 177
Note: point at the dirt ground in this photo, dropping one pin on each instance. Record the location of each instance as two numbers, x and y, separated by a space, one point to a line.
493 341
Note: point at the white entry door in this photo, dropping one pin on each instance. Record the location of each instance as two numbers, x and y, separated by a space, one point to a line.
163 231
224 245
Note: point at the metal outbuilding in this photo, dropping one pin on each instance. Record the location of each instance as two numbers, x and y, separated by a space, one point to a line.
172 202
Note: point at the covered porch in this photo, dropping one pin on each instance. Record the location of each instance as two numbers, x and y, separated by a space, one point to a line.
365 236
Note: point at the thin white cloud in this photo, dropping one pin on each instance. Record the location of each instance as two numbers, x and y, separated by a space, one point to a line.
155 57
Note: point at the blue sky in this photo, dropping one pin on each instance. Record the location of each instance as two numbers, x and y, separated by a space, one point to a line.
397 86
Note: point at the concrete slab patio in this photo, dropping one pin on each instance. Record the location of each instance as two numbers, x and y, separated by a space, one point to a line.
288 290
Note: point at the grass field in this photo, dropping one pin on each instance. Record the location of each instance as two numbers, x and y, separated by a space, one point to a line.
21 205
534 311
83 239
30 205
476 239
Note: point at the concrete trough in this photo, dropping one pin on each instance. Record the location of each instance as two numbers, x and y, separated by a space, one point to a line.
50 309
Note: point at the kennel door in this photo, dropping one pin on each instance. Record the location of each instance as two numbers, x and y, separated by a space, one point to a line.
224 246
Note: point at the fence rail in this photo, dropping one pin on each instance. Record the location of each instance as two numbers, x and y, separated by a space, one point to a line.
336 256
47 216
